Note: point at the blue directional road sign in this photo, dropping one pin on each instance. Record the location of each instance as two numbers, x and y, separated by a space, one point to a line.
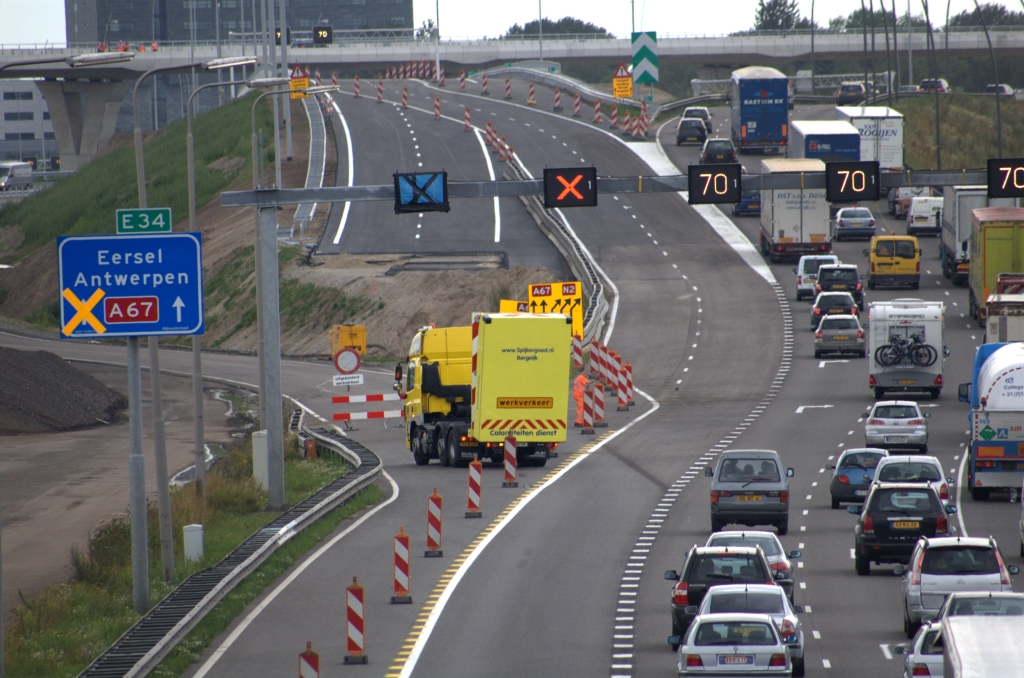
130 285
421 192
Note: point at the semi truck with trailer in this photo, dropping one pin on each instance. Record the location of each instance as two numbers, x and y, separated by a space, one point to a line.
996 394
905 349
957 204
996 246
794 221
1005 318
981 646
827 140
467 388
760 109
881 133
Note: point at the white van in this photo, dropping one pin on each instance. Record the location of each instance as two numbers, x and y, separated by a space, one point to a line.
905 347
806 272
924 216
15 176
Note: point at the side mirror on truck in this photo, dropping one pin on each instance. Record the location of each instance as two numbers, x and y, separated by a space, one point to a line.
865 252
945 351
964 393
398 372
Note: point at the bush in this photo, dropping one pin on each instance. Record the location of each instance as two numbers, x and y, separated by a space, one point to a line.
109 548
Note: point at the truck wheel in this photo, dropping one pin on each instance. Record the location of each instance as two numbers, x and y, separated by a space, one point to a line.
783 527
935 393
979 493
538 463
871 284
442 453
419 454
454 458
915 285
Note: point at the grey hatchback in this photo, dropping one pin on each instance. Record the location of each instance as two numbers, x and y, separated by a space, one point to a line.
749 487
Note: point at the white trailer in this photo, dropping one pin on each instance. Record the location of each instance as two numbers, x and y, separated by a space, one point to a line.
794 221
957 204
892 369
977 646
881 133
1004 318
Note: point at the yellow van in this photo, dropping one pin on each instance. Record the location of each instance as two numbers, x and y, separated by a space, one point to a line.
895 260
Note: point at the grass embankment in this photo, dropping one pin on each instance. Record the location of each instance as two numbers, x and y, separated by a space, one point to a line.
66 626
968 130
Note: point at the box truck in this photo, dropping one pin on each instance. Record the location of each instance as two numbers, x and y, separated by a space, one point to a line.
467 388
827 140
881 133
996 246
1004 318
794 221
760 109
980 646
957 204
905 347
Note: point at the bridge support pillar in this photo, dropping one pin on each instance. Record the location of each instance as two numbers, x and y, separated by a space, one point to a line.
84 114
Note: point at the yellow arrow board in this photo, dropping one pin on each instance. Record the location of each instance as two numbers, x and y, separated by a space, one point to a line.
559 297
513 306
299 83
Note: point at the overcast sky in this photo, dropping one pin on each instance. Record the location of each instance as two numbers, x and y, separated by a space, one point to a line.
40 21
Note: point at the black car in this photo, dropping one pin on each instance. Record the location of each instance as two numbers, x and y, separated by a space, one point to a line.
850 93
841 278
718 151
893 518
832 303
707 566
701 113
691 129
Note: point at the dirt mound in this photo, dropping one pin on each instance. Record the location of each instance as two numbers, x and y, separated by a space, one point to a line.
40 392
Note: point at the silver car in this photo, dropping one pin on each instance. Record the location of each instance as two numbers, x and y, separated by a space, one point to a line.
778 559
749 488
922 656
806 272
892 424
914 468
839 334
734 644
943 565
762 599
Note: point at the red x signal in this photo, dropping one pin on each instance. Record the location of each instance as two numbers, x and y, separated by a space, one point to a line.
570 187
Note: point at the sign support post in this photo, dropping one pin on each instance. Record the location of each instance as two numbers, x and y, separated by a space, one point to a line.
137 482
269 319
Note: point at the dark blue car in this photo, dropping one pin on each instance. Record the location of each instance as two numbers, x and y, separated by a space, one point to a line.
749 204
853 473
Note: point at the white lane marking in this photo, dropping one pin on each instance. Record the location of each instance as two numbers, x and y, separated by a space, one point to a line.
490 171
351 172
826 663
885 650
852 554
816 634
240 629
800 564
803 528
803 585
435 615
800 410
960 504
807 608
826 362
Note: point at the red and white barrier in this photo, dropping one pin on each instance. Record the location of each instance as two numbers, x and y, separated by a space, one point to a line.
437 108
629 383
356 85
309 662
494 140
577 351
501 149
368 398
597 111
576 105
356 624
530 100
509 153
405 97
476 476
625 123
380 90
334 79
402 587
615 116
636 127
318 81
434 506
594 344
599 421
379 414
483 87
588 411
643 121
623 390
508 88
511 465
440 78
469 128
462 81
558 101
401 72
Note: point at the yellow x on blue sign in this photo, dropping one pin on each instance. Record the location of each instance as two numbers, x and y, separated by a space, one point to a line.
83 312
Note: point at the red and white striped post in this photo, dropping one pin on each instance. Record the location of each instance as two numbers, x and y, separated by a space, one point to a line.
597 111
405 97
509 153
334 79
437 108
599 421
318 80
508 88
476 476
577 351
309 662
623 389
625 123
636 127
629 383
356 85
576 105
483 87
380 90
401 72
419 70
462 81
501 149
434 505
511 466
469 127
615 116
356 623
643 121
530 100
440 78
602 369
594 344
588 411
494 140
402 586
558 101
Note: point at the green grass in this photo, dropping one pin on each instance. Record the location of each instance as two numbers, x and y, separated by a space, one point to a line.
85 202
63 628
968 130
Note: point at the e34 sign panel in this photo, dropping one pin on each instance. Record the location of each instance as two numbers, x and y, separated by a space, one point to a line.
131 285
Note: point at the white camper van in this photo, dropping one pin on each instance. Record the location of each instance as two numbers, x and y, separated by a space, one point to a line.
905 346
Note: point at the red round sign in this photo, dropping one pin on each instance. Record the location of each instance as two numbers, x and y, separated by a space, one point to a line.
347 360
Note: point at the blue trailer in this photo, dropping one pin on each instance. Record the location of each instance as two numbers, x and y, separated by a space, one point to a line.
826 140
760 109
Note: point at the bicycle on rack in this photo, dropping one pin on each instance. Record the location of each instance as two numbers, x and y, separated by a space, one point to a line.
904 350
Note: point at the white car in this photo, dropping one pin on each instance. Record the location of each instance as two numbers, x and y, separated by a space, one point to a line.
892 424
914 468
806 272
761 599
922 656
733 644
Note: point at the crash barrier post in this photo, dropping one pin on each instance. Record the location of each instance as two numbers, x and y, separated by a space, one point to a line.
501 149
462 81
355 622
440 78
334 78
402 584
469 128
437 108
405 97
380 90
434 505
476 473
594 343
625 123
511 467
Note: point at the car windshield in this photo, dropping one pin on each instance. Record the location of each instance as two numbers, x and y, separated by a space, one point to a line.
767 544
960 560
855 214
734 633
751 195
907 471
864 460
758 602
851 88
719 146
987 607
749 470
693 113
895 412
834 300
905 249
727 567
884 248
695 124
839 324
812 265
837 275
902 501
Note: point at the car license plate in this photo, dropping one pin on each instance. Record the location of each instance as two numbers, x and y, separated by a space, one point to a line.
736 659
906 525
841 337
836 310
839 287
691 138
748 497
755 206
860 493
906 382
895 439
856 224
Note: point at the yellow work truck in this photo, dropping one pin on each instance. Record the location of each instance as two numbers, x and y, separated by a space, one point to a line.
468 388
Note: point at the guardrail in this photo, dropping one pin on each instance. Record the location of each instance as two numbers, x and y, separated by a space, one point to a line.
558 231
587 94
145 644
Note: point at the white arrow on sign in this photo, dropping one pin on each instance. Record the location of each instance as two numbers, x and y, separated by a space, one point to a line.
800 410
178 305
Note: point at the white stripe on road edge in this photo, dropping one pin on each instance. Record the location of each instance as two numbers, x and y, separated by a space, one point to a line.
885 650
240 629
423 635
351 172
490 171
960 504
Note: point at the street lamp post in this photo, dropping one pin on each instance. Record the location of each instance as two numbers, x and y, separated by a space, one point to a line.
995 74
